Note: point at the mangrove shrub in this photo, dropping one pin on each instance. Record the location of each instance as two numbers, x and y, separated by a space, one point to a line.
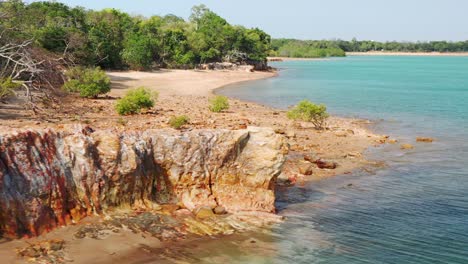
219 104
309 112
87 82
135 100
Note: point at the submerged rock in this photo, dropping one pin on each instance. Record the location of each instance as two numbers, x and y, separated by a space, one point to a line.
50 178
406 146
424 139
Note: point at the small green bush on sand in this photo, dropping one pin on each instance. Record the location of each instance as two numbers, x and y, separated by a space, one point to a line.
88 82
219 104
135 100
178 121
309 112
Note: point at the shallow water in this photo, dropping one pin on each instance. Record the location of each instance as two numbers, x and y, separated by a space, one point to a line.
415 210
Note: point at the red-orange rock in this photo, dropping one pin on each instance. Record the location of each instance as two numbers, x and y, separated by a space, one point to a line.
50 178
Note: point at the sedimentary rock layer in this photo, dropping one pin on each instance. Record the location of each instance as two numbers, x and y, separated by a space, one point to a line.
51 177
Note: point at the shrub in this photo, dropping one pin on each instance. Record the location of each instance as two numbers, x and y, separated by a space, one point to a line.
219 104
7 86
135 100
178 121
88 82
309 112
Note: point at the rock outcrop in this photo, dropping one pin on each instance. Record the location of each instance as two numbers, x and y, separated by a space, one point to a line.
50 178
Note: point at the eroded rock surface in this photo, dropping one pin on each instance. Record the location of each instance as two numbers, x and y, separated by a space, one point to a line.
50 178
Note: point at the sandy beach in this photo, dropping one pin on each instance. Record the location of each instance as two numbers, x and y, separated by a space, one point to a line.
184 92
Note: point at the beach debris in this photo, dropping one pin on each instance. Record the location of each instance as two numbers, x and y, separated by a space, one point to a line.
406 146
354 154
424 139
392 141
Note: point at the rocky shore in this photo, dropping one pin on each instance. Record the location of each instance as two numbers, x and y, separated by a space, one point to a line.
127 183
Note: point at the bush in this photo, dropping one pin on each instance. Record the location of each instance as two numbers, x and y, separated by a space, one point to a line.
178 121
88 82
135 100
219 104
309 112
7 86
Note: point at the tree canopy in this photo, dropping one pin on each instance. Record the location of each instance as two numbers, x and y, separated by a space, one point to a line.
113 39
327 48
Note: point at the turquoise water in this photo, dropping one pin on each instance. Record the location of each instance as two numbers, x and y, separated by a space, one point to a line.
413 211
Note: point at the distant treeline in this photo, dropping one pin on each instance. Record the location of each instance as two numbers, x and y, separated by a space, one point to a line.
115 40
328 48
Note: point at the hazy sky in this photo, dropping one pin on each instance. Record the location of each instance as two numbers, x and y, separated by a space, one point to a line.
380 20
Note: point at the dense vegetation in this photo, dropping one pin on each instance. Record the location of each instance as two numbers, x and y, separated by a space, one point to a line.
328 48
304 49
113 39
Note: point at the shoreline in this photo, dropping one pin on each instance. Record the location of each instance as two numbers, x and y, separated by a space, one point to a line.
280 59
390 53
343 143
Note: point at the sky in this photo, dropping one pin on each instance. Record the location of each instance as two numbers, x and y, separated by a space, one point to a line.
379 20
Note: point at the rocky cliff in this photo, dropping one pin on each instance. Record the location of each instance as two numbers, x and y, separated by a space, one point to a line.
50 178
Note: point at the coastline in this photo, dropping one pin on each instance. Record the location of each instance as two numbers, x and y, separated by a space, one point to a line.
279 59
343 143
385 53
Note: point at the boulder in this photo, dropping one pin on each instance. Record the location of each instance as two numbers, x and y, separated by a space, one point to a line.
219 210
324 164
305 168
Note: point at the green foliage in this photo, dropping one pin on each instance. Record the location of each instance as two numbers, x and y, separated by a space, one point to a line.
309 112
7 86
113 39
138 52
280 46
135 100
219 104
88 82
178 121
305 49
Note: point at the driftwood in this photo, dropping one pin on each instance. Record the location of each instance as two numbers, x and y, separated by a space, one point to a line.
38 71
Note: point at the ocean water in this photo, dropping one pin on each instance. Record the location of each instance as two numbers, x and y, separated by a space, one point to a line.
413 211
